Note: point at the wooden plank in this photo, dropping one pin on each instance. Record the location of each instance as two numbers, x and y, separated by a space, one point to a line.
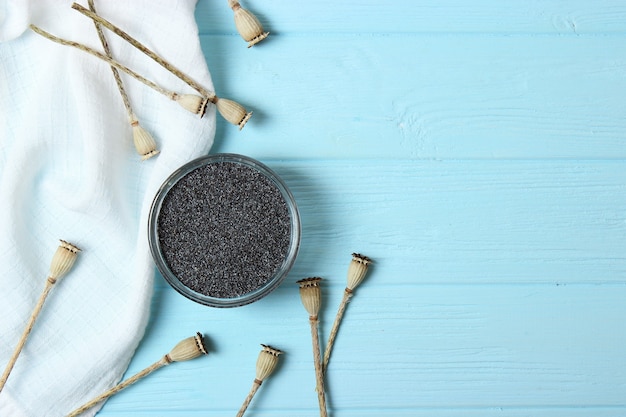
554 222
478 158
402 350
426 412
445 16
498 288
424 97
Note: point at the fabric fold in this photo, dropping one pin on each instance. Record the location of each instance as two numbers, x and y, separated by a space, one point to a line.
69 170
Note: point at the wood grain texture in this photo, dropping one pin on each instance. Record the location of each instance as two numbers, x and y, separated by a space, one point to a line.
476 152
496 286
325 17
403 96
430 347
460 222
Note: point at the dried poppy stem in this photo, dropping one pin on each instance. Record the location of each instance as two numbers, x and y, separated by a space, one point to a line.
187 349
356 273
191 102
62 262
230 110
144 142
311 297
134 42
265 365
247 24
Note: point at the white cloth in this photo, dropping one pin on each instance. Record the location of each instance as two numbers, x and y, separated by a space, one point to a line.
68 170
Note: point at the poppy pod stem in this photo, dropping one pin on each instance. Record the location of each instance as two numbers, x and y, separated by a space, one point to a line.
255 387
134 42
186 349
62 262
233 112
347 294
265 365
356 272
142 139
317 360
311 295
158 364
116 74
191 102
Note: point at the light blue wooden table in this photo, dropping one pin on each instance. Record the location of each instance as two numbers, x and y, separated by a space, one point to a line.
476 151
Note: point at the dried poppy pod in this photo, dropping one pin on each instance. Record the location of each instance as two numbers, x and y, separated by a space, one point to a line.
187 349
357 270
356 273
62 262
265 365
247 24
232 111
144 142
311 297
192 102
266 362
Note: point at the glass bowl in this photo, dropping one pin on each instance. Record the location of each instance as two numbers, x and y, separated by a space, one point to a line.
182 208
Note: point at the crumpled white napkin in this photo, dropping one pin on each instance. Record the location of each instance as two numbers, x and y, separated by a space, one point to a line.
68 170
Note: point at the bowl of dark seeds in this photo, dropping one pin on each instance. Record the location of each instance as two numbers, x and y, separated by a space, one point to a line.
224 230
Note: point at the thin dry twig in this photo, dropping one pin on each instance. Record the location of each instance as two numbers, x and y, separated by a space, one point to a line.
62 261
356 273
193 103
142 139
230 110
187 349
158 59
265 365
311 297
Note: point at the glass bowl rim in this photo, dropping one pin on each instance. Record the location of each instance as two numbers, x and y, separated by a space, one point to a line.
159 259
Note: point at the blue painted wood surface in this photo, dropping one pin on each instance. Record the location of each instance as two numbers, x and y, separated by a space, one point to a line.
476 151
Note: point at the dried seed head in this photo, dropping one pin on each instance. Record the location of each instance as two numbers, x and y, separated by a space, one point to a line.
248 25
232 111
144 142
311 294
357 270
266 363
189 348
191 102
63 260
